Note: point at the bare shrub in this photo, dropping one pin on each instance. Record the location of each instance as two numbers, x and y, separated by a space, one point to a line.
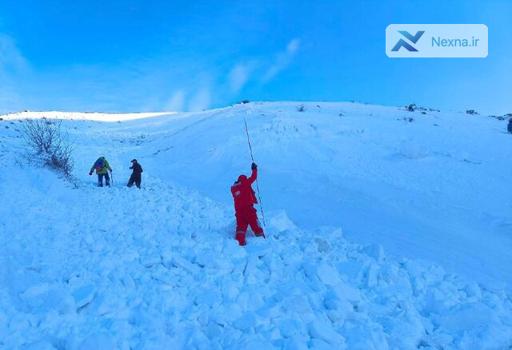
49 143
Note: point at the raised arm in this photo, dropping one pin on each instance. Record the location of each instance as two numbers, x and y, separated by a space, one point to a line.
254 174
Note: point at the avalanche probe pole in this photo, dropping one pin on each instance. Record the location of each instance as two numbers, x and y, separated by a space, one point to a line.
257 184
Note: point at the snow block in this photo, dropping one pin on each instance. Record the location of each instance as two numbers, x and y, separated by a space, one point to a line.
281 222
328 274
100 341
375 251
323 330
84 295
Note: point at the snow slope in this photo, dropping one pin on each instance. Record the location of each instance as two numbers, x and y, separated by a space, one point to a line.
83 267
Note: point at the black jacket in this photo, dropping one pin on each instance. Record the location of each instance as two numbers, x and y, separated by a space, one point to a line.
137 169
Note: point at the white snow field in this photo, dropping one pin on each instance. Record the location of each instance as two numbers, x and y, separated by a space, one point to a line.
382 233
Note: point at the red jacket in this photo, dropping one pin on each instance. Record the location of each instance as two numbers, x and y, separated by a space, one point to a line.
242 191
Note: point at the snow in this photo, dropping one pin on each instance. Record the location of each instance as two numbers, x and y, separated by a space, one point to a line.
103 117
381 233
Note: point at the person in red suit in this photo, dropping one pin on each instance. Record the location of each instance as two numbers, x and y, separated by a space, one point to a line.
245 213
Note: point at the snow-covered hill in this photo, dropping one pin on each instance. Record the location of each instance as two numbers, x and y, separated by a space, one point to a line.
386 229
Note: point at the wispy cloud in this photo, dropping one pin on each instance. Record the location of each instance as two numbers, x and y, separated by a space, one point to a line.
260 69
283 59
201 100
14 68
177 102
150 84
240 75
11 58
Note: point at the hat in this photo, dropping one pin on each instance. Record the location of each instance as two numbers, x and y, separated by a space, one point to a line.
134 160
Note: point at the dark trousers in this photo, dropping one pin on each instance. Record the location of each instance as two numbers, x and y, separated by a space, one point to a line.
100 179
135 178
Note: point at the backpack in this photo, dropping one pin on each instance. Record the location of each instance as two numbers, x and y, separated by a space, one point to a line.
100 163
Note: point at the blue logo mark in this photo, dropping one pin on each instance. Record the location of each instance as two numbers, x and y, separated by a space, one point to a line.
412 38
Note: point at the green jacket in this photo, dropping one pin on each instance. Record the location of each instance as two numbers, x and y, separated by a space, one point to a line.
103 170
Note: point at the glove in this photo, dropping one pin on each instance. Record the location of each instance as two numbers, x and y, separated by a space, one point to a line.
254 166
90 173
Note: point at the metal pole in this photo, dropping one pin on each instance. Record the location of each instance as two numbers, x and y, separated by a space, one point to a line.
257 184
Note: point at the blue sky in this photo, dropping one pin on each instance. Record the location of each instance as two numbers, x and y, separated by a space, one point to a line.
190 55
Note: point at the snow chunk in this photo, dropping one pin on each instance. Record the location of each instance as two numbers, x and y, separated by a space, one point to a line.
100 341
281 222
328 274
84 295
375 251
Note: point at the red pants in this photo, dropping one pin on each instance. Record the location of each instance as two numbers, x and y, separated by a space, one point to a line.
247 217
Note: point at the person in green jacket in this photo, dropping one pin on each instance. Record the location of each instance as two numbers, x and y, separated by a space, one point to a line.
102 168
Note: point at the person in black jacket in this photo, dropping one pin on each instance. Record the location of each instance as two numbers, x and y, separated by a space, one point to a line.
136 174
